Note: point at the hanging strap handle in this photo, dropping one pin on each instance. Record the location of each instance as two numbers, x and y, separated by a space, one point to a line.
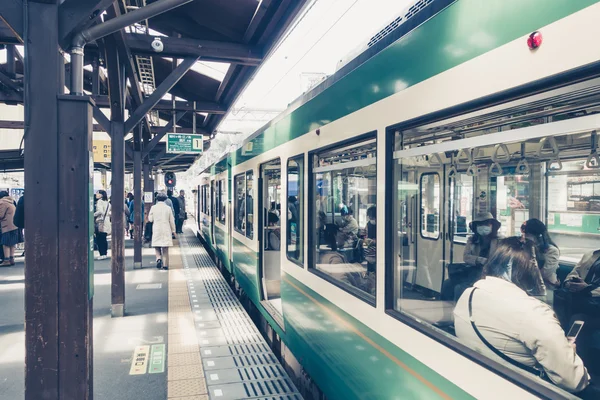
497 352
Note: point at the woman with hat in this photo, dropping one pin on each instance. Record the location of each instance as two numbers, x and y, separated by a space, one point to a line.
480 246
547 254
484 241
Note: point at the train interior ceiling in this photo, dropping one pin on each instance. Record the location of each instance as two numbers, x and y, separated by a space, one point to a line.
536 157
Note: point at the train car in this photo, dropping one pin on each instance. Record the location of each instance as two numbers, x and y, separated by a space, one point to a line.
341 220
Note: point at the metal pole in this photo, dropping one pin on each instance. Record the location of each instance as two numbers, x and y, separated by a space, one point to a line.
137 205
106 28
118 218
113 25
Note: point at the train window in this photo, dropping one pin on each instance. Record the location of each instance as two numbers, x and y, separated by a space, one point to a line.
249 206
239 209
574 208
343 236
471 184
430 206
222 201
295 202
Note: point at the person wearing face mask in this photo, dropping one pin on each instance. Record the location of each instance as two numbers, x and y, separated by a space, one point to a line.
480 246
348 229
547 254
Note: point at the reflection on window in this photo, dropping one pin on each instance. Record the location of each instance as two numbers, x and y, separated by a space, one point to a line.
239 208
512 199
430 206
249 205
295 201
344 236
574 208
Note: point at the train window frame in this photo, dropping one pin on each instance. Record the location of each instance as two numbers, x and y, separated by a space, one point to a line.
298 159
250 177
514 375
236 204
311 226
222 216
440 204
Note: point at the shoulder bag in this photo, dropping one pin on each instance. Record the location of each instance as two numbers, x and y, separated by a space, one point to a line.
497 352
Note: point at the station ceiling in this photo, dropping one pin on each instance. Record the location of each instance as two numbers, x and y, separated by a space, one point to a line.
237 34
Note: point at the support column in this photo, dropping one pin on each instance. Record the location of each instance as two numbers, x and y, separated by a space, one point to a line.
10 60
137 212
41 180
117 245
58 297
76 254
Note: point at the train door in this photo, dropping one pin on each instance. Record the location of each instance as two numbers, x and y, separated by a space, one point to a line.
212 212
270 233
424 242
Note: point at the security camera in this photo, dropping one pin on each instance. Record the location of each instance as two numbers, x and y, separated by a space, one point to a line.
157 45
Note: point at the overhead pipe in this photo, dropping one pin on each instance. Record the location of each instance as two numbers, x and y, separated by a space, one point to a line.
106 28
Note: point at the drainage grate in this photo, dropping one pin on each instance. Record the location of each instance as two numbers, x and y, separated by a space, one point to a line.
236 360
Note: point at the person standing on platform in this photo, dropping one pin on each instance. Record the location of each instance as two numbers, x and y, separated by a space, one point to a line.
163 230
19 219
182 214
131 215
102 223
10 232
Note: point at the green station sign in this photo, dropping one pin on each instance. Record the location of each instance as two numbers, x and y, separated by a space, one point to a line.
179 143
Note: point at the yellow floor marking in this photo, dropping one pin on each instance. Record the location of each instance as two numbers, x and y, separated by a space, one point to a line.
139 364
185 375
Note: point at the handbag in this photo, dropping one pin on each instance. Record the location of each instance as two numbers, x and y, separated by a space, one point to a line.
100 226
457 270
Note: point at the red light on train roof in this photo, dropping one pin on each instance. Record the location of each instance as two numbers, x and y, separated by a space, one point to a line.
534 40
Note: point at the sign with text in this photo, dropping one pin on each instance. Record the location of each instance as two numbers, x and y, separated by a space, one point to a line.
182 143
101 151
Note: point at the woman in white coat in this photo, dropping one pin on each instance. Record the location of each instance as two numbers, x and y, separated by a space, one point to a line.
163 230
500 318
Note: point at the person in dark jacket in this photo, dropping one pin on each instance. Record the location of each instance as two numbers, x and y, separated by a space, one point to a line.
19 219
175 203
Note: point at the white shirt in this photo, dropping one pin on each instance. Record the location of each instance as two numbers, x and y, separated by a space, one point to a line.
523 328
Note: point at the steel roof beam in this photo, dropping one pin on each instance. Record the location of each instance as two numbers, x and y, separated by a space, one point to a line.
166 85
228 52
9 83
11 12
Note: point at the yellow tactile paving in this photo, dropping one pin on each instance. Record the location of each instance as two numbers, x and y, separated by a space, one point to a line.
186 372
201 397
177 360
184 365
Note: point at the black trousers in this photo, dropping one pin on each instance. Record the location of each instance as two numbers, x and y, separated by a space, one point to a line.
179 225
102 243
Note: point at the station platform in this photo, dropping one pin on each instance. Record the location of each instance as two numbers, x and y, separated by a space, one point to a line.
185 336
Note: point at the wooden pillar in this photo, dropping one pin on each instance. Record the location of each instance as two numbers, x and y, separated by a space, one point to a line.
58 286
118 218
41 180
76 247
137 212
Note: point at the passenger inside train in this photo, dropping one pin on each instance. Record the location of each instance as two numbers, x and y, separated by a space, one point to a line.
499 318
500 175
480 246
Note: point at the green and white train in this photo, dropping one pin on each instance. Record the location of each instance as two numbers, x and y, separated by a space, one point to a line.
455 108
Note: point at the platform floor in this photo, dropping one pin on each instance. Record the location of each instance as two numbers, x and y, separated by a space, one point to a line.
197 340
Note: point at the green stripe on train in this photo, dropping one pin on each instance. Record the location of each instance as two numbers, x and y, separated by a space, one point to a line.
347 359
461 32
